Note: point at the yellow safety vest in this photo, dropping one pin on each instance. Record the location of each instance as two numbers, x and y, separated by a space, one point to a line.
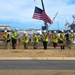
71 37
25 39
45 38
62 36
35 38
55 39
14 35
6 36
61 39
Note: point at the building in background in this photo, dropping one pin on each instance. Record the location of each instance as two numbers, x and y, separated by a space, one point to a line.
5 27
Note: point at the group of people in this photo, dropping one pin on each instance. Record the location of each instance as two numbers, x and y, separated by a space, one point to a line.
63 39
8 39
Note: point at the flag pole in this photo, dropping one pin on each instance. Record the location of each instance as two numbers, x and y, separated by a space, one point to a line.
42 5
44 10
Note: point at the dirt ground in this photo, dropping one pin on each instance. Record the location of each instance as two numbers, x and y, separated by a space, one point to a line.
40 52
37 72
37 53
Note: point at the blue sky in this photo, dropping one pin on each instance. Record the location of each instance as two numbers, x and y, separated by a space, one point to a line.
18 13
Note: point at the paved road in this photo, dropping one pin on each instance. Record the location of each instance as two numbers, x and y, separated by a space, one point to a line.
36 65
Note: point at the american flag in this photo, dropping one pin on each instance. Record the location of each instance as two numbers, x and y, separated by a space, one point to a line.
41 15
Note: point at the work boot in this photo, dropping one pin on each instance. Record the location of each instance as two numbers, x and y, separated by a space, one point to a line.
69 47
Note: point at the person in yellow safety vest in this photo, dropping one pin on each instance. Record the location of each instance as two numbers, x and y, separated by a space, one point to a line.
71 38
45 39
14 38
62 39
55 39
25 40
35 41
6 39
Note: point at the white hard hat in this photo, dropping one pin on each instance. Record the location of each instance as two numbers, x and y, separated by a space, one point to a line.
5 30
71 30
54 31
16 29
62 31
44 31
24 32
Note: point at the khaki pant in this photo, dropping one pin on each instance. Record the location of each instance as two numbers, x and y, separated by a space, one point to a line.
35 45
25 45
7 45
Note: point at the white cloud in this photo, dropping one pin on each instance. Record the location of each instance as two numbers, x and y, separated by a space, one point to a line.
15 10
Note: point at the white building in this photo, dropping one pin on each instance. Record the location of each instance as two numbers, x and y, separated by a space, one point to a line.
5 27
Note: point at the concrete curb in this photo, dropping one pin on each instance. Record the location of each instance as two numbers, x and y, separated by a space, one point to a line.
37 58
